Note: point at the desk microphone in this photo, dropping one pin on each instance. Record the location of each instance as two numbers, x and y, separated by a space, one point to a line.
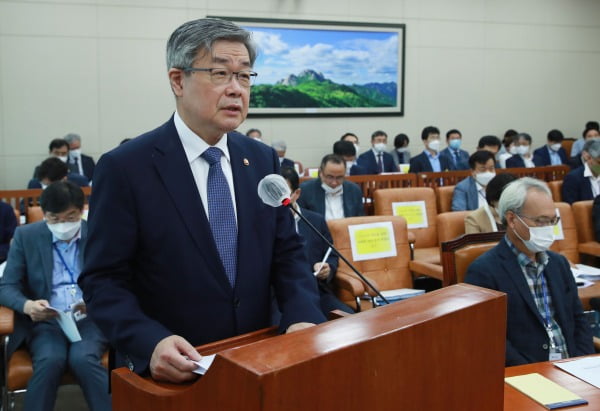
273 190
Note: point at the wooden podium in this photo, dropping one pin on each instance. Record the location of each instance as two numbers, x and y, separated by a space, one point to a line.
443 350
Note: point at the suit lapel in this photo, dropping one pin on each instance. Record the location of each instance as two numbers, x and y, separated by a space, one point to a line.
175 172
46 255
319 197
515 273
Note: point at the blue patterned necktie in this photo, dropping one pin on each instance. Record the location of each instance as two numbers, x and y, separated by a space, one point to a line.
380 162
220 213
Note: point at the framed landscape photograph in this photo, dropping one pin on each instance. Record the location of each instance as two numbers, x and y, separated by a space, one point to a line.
323 68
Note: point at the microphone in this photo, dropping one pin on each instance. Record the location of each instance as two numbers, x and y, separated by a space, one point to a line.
274 191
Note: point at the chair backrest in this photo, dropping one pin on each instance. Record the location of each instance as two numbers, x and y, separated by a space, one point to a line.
441 178
300 167
451 225
389 273
372 182
34 213
567 144
443 195
556 190
459 253
567 246
545 173
424 237
582 213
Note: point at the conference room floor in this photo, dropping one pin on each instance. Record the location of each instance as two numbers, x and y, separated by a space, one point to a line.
70 398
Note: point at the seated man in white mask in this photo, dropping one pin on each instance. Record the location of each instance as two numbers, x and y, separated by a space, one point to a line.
469 194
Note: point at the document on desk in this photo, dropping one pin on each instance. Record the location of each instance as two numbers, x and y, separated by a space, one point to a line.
548 393
67 324
586 369
585 272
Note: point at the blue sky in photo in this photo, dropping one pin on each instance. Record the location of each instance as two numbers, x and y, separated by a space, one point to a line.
345 57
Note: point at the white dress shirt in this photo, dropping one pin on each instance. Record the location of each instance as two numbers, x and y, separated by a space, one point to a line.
334 205
594 181
194 146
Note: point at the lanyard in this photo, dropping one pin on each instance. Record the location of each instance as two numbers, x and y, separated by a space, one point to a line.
62 259
547 316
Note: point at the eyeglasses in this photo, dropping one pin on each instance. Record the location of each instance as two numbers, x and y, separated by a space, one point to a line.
542 221
221 76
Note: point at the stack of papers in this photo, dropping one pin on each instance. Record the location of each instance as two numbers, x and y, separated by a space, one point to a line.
585 272
546 392
398 295
586 369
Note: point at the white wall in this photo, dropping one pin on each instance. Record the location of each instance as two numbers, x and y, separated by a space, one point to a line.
97 68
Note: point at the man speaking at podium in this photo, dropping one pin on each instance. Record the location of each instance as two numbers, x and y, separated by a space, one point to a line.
181 250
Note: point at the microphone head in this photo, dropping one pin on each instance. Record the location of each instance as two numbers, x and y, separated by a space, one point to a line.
273 190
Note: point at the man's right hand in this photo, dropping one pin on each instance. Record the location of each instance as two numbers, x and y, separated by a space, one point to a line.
170 360
38 310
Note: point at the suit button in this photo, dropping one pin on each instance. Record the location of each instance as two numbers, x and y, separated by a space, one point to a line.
545 346
236 303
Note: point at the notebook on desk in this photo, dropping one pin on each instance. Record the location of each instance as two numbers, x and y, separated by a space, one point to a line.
546 392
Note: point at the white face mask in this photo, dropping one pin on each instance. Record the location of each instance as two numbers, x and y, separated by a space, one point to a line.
513 150
402 149
555 147
332 191
522 150
540 238
64 231
484 178
349 165
63 158
357 148
75 153
434 145
379 147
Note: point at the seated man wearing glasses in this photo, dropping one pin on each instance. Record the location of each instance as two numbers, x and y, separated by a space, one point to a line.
330 195
545 319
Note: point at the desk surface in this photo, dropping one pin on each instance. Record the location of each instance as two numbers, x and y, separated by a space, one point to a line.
588 292
515 400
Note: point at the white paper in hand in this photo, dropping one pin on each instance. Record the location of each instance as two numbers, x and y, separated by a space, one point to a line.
67 324
204 364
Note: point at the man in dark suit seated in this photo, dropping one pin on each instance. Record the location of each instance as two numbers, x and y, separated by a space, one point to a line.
377 160
8 224
84 165
583 183
469 194
280 148
59 148
459 159
552 154
347 151
430 159
182 251
53 169
315 248
330 195
545 319
43 265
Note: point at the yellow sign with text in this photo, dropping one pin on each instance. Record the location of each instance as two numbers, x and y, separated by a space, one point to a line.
373 240
413 212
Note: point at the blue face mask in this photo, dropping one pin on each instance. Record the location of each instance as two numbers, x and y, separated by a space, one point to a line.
455 144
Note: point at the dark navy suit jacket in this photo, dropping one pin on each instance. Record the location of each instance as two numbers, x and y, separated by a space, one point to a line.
420 163
313 198
368 161
541 156
286 162
576 187
526 337
87 164
463 159
75 178
465 195
515 161
152 268
8 223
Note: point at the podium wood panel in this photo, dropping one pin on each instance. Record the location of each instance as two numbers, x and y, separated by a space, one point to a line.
443 350
516 400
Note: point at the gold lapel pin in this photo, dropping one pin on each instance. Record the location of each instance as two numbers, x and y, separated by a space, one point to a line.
246 162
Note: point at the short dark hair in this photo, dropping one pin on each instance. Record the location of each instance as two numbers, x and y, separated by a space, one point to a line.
496 185
429 130
489 141
254 130
400 139
58 143
510 133
555 135
52 168
453 131
480 157
291 176
589 126
525 136
344 148
60 196
377 134
509 139
332 158
346 135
